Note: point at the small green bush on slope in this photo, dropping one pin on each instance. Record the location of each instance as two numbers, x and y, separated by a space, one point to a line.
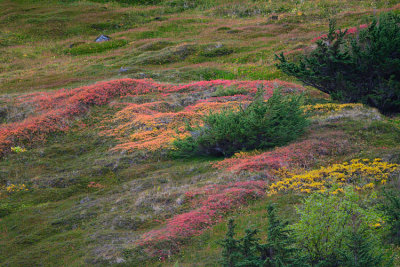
391 208
362 67
336 230
332 231
248 251
260 125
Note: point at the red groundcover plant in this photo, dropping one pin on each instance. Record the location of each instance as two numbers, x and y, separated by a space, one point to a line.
211 203
302 154
55 110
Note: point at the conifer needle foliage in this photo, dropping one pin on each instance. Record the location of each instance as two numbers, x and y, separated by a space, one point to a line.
362 67
260 125
248 251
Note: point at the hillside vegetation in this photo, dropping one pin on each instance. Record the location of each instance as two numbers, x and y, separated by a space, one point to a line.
174 41
125 153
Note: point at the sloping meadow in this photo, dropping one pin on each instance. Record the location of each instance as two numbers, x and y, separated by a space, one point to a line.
155 208
153 111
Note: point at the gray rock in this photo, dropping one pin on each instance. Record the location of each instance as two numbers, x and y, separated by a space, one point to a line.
142 75
119 260
179 201
84 200
102 38
122 69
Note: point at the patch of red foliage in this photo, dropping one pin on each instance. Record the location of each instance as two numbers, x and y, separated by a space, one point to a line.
352 30
301 154
54 110
210 203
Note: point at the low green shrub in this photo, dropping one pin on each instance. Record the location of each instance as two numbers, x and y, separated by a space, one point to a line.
155 46
333 230
260 125
248 251
358 66
336 230
166 55
391 208
215 51
90 48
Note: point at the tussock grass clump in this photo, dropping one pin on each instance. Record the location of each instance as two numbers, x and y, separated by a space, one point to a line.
91 48
215 50
166 55
155 46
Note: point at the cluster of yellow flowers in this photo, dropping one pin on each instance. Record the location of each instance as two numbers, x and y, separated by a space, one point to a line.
361 173
13 188
18 149
329 107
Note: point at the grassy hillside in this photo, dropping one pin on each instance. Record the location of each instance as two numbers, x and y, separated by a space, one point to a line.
174 41
86 174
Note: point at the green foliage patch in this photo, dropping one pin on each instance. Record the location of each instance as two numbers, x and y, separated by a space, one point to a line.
165 56
260 125
91 48
391 207
230 91
248 251
362 67
339 230
332 231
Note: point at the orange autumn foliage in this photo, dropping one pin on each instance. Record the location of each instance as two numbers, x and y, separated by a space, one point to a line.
55 111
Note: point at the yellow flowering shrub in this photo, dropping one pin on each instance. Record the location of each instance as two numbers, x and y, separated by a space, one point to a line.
16 188
363 174
12 188
329 108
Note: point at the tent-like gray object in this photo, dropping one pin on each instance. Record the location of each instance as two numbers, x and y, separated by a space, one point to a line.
102 38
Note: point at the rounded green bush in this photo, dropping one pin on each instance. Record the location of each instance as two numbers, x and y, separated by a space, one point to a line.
260 125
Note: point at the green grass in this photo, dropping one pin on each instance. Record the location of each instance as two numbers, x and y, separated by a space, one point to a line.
228 92
205 249
83 49
34 37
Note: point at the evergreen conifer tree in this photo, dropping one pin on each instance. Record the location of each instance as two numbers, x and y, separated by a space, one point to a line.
230 252
362 67
278 250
